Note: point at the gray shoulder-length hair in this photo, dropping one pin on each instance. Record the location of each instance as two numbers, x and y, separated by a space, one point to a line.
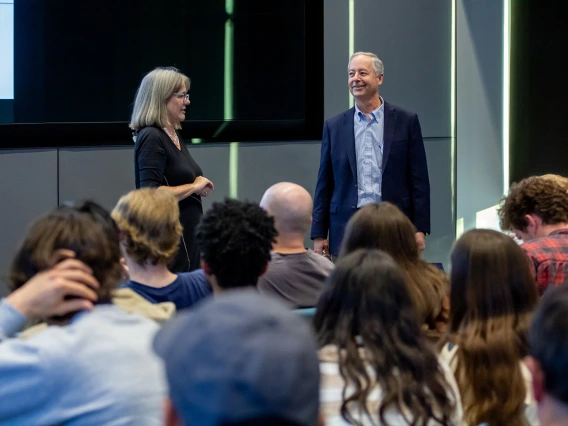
152 96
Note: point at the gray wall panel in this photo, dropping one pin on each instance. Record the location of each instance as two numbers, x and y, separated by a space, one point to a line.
479 107
214 161
439 243
336 55
100 174
413 39
28 190
262 165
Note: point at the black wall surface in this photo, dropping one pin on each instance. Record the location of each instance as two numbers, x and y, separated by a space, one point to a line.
538 119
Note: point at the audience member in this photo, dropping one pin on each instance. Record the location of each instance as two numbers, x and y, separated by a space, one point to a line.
295 274
96 367
235 239
150 232
383 226
492 297
536 211
377 366
548 360
240 359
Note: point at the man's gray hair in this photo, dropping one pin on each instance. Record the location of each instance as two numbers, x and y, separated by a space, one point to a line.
377 63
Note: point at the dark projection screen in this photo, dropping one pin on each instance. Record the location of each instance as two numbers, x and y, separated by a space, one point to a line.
256 68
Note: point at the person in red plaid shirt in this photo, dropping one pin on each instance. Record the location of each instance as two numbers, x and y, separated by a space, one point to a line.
536 211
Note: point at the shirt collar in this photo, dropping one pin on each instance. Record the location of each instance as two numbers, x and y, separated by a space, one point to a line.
376 114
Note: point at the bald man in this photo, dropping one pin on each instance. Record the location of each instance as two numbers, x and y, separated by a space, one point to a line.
296 274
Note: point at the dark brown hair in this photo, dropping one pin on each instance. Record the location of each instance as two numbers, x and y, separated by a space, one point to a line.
540 195
492 297
87 229
383 226
367 298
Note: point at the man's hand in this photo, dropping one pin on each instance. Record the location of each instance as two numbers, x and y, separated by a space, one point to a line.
421 241
67 287
321 246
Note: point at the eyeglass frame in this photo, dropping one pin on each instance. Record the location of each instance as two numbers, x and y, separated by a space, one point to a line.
184 96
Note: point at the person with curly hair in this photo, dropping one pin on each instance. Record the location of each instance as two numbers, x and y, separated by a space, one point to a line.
235 239
150 233
492 298
377 366
536 211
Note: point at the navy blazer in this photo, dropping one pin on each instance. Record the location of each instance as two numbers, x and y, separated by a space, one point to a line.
405 173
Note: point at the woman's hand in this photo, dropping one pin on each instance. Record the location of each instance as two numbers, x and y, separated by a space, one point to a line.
203 186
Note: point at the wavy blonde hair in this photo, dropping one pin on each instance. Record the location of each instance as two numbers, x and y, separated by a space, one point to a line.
149 221
156 88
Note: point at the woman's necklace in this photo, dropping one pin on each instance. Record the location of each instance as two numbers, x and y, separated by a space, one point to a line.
174 138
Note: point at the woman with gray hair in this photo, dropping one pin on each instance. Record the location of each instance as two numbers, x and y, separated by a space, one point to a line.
162 160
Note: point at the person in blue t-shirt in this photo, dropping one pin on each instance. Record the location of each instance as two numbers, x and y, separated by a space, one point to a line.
150 231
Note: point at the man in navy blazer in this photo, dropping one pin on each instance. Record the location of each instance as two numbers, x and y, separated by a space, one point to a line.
370 153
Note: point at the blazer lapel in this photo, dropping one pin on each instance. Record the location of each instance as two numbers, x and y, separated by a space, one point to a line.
388 135
349 138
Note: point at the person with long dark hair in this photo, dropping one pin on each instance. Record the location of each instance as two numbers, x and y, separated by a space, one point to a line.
492 297
383 226
377 366
161 158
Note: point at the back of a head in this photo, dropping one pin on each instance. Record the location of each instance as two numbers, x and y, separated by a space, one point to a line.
561 180
235 239
548 341
239 357
384 227
490 278
491 299
87 229
543 196
365 294
367 302
149 221
291 207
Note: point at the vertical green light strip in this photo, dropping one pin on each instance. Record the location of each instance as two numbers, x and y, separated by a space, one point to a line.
506 89
228 87
453 141
228 99
351 38
229 7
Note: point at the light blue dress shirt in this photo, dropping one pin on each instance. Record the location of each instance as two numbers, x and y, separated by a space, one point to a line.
98 370
369 151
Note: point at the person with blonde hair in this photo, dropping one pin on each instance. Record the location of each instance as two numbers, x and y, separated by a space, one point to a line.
148 220
162 160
